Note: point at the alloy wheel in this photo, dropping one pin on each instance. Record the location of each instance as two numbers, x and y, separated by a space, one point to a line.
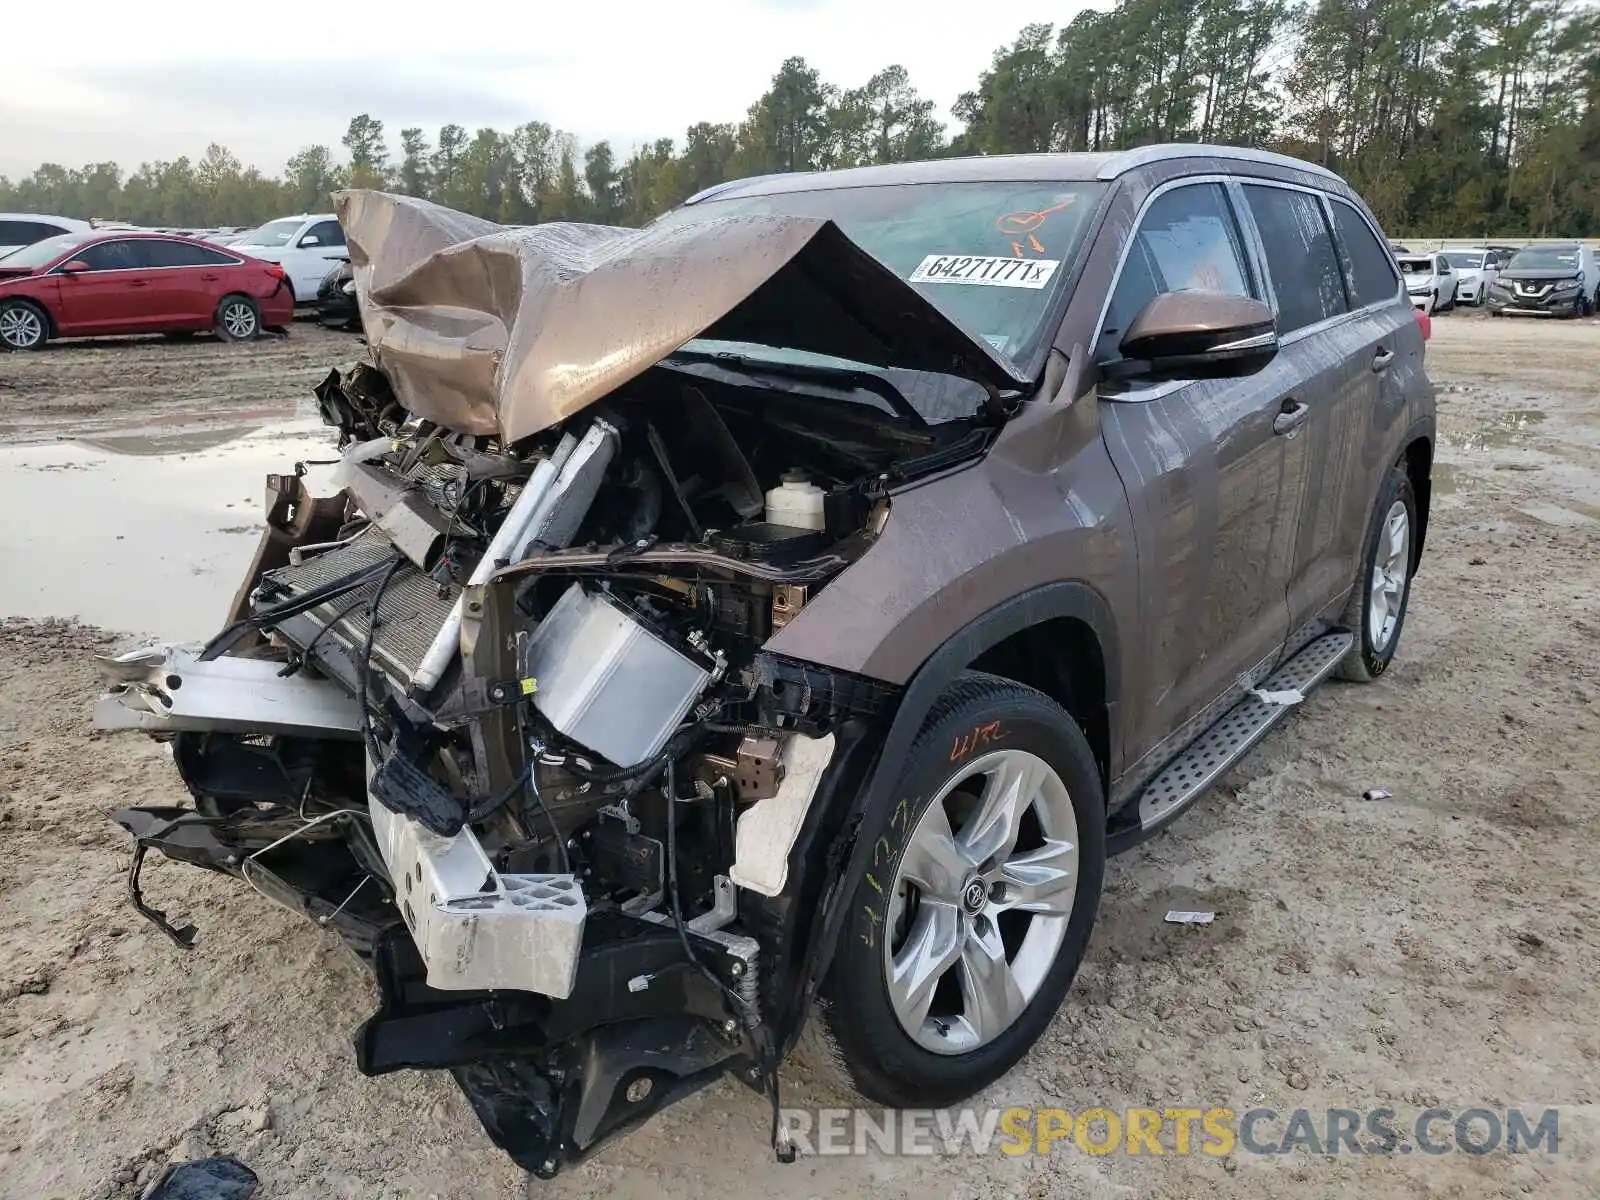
981 901
239 319
1391 568
21 328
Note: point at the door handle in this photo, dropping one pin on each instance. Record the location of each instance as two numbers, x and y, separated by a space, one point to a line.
1291 417
1382 358
138 283
211 278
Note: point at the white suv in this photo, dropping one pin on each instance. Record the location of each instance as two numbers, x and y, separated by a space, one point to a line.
24 229
305 246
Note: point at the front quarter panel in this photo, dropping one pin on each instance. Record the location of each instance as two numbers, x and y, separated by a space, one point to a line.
959 546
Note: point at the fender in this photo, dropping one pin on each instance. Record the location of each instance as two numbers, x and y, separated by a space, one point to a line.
871 804
1423 428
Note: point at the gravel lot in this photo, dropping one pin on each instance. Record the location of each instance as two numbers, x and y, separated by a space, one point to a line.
1435 948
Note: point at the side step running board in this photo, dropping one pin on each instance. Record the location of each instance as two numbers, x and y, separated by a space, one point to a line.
1181 782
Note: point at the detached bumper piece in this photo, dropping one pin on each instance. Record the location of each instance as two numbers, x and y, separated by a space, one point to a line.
171 689
476 927
552 1079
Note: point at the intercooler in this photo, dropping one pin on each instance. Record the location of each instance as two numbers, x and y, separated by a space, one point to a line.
411 611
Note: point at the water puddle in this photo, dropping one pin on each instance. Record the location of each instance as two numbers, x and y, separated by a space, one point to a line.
146 531
1498 432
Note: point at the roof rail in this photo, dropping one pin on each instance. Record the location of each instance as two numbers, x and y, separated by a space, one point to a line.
716 189
1127 160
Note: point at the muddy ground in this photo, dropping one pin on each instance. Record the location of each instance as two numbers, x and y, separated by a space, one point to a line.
1438 947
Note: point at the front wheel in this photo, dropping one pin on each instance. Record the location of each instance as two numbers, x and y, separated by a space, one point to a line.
23 326
238 319
975 912
1377 607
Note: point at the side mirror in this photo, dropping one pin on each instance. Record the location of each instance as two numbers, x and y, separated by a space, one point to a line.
310 239
74 267
1197 335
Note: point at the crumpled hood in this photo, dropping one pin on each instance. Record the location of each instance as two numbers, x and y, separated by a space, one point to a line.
487 329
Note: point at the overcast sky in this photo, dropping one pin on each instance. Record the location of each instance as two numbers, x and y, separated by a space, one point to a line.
83 84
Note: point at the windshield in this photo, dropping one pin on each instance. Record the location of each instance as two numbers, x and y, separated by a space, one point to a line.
1544 258
272 234
992 257
40 253
1463 258
1417 266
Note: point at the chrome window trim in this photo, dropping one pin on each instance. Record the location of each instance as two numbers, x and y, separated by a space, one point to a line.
1255 251
234 261
1140 393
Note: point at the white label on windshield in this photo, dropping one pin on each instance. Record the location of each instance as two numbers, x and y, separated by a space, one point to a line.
985 270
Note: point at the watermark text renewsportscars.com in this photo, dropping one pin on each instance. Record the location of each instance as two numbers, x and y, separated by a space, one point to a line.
1180 1131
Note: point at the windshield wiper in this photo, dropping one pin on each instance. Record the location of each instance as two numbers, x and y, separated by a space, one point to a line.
866 380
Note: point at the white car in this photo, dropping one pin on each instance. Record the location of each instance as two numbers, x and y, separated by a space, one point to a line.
1430 281
1475 270
24 229
305 246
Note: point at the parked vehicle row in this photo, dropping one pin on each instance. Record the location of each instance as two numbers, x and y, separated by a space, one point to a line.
83 284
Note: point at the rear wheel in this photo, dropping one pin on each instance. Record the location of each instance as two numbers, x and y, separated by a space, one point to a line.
1377 607
976 910
238 319
23 325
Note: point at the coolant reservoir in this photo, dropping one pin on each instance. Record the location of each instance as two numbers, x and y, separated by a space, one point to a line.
797 503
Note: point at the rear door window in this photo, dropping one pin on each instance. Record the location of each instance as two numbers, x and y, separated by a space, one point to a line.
1187 241
1301 260
172 254
1368 265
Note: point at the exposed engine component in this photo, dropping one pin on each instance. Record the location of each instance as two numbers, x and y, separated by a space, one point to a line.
609 683
754 771
500 714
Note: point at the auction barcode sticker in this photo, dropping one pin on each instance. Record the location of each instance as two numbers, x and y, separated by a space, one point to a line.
985 270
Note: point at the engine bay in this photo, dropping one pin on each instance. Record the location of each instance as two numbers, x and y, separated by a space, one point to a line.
501 715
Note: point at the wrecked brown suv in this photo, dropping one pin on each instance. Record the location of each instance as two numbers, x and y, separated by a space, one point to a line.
783 610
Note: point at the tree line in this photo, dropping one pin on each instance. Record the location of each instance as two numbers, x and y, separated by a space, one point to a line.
1461 117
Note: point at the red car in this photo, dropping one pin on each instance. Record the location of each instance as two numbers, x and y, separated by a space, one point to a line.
80 284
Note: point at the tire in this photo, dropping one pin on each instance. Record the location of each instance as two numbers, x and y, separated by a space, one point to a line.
1375 646
23 325
1433 304
238 319
981 722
